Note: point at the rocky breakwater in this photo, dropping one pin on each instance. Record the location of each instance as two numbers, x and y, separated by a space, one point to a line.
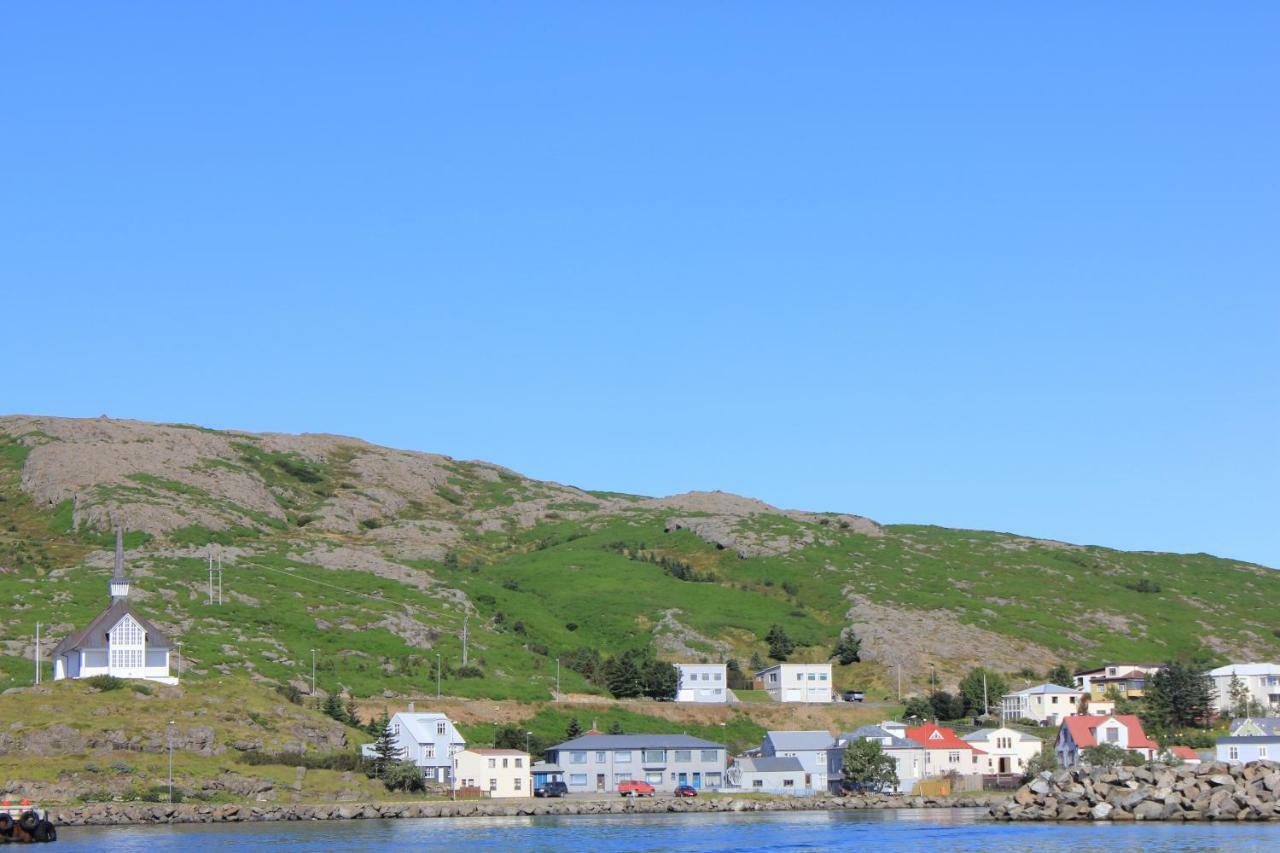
1213 791
106 814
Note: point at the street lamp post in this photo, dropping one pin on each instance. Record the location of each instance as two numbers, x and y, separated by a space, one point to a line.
313 672
527 735
437 675
171 761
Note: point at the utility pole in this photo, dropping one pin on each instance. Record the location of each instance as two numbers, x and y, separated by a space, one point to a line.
527 735
37 653
211 577
986 706
171 761
313 672
466 617
219 581
437 675
179 660
557 678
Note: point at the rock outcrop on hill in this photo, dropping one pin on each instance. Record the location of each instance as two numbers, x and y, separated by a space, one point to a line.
1214 791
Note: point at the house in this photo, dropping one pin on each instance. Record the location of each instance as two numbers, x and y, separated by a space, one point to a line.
908 756
1259 681
1242 749
702 682
945 752
797 682
769 775
497 772
543 773
1255 726
1084 730
596 762
1185 754
428 740
1008 751
1128 680
118 642
810 748
1046 704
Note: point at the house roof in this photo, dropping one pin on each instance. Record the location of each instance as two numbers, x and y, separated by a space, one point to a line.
1184 752
933 736
419 725
1044 689
771 764
1247 739
800 740
486 751
880 733
1246 669
544 767
1083 726
107 620
1124 676
1267 725
826 666
984 735
654 741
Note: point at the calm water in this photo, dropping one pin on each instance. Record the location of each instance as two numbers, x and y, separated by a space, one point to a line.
881 832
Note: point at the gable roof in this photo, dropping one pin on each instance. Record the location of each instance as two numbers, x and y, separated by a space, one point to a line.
771 764
419 725
1184 752
1246 669
880 733
984 735
1266 725
1248 739
933 736
1045 689
490 751
107 620
1083 726
654 741
800 740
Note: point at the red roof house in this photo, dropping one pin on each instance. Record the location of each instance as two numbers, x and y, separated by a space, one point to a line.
945 751
1082 731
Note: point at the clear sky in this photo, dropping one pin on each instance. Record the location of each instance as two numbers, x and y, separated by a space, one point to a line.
999 265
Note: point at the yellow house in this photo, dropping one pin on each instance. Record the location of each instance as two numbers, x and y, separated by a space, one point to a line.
1126 680
496 772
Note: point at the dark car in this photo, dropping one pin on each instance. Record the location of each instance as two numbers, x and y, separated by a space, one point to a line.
686 791
551 789
853 696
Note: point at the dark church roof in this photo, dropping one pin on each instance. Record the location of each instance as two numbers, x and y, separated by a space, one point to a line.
107 620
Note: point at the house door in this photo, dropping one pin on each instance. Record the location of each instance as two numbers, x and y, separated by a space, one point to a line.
683 779
1004 765
697 781
808 780
599 781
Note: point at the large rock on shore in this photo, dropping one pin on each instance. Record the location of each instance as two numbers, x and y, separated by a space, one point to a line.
1213 791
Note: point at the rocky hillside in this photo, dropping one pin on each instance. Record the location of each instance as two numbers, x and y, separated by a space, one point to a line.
375 557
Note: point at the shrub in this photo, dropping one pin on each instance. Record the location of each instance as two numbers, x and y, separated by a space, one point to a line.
370 524
790 588
511 584
403 776
140 687
1144 585
105 682
469 671
288 691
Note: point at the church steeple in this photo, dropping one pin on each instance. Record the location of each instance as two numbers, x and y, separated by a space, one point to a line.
119 583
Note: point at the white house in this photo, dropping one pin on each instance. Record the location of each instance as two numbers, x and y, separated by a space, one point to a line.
430 741
810 748
497 772
118 642
1243 749
1045 703
1079 732
1007 750
1261 681
944 752
702 682
797 682
908 756
768 775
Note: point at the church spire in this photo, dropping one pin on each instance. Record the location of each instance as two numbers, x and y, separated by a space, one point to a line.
119 583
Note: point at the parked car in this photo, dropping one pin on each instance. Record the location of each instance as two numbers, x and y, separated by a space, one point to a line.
635 788
551 789
686 791
853 696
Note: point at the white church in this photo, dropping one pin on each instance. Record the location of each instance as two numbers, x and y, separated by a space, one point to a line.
119 642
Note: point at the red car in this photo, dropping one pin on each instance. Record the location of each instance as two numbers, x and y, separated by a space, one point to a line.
635 788
686 791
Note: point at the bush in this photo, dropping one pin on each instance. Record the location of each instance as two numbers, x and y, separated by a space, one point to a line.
468 671
105 682
790 588
310 760
403 776
370 524
1144 585
140 687
288 691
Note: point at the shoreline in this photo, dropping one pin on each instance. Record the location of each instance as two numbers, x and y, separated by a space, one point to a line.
124 814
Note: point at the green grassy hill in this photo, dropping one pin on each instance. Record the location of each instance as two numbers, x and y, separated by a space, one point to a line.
373 557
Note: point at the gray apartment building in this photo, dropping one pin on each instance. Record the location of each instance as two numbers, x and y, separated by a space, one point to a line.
600 762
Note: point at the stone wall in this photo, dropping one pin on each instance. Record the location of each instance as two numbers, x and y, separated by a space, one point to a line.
97 814
1213 791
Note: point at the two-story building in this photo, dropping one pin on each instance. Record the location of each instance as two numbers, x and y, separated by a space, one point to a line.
908 756
702 682
1082 731
496 772
1007 751
1258 682
1127 680
599 762
428 740
811 748
945 752
797 682
1046 704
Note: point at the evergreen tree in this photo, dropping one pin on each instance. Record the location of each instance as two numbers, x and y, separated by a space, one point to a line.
623 676
385 750
352 713
615 728
848 649
971 690
332 707
757 662
1177 696
573 730
947 706
661 680
866 766
1238 696
918 708
1060 676
780 645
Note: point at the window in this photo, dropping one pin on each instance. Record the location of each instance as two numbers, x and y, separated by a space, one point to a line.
1053 700
720 676
710 754
428 750
504 762
799 676
441 727
813 676
493 762
621 777
684 755
1233 753
1262 752
622 756
577 758
125 642
655 755
953 758
577 778
757 783
788 783
1113 735
601 758
519 762
653 778
711 780
822 676
517 783
493 784
718 692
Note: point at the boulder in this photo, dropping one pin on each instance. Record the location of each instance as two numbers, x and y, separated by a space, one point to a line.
1101 811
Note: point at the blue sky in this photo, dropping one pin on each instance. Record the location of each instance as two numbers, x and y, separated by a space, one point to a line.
1008 266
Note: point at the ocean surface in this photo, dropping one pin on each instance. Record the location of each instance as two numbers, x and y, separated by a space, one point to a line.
878 831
